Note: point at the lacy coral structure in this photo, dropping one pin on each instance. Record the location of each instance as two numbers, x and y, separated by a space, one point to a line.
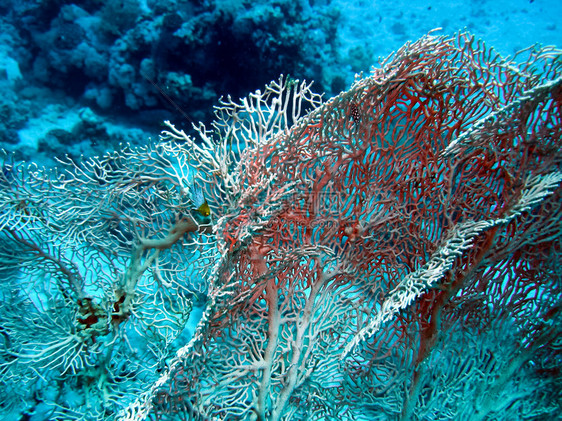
391 254
395 254
99 275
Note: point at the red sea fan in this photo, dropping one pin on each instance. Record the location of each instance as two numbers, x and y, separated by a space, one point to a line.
395 254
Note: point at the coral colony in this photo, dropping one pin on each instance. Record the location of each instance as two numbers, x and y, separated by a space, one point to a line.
390 254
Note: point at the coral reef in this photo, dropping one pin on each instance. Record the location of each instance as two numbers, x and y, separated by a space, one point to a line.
394 254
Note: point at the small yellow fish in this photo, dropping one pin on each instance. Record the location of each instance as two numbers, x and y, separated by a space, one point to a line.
200 202
204 209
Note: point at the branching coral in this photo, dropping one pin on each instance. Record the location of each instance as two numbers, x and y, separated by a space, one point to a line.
384 246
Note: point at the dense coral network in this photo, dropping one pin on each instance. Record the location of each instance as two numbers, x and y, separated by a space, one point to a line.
392 253
395 254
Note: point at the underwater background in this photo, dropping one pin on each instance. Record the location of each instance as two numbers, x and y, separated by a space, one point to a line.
81 79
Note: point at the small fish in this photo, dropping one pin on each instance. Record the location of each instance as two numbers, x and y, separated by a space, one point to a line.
204 209
200 202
